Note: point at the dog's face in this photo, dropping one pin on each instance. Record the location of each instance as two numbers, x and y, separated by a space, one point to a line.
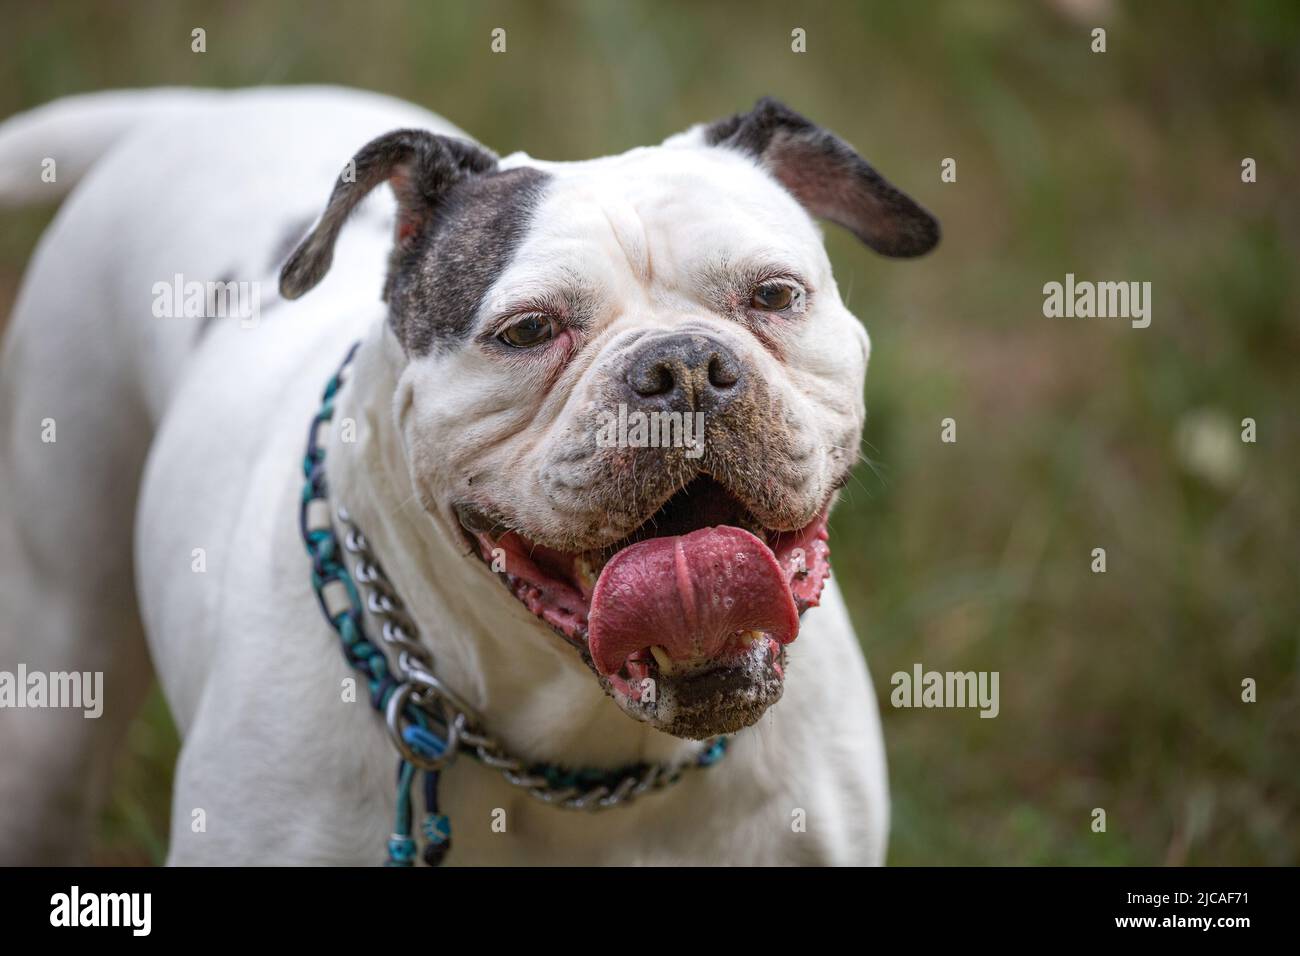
633 388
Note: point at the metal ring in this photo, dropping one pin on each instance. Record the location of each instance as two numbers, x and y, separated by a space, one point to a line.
393 719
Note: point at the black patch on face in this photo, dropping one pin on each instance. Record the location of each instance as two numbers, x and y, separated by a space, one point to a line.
437 282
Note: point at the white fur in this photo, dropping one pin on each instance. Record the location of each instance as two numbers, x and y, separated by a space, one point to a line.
284 771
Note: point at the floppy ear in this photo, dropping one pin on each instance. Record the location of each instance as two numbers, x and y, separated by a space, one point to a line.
828 177
420 167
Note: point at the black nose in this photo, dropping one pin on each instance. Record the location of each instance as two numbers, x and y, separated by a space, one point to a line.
684 372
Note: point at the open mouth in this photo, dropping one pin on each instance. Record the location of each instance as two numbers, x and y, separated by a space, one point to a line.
686 619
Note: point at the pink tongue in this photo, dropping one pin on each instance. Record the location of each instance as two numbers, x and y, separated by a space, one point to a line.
689 594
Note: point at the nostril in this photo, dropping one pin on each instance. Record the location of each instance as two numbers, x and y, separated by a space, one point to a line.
722 373
653 379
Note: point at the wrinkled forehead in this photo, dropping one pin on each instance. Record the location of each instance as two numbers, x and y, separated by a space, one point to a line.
661 216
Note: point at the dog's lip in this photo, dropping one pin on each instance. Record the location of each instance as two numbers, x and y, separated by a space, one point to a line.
474 519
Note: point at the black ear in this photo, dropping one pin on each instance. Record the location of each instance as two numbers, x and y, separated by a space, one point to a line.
420 167
828 177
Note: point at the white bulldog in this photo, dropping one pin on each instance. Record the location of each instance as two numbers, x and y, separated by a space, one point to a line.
596 597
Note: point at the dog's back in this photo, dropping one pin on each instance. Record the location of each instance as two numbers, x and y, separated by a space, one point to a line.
99 341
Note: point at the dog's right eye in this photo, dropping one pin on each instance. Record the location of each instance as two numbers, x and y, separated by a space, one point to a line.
528 331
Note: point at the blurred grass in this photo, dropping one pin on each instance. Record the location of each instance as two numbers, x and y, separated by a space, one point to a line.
1119 690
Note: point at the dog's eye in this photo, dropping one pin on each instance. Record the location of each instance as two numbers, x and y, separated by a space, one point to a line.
772 297
529 331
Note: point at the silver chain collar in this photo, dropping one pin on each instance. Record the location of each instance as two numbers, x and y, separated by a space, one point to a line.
417 683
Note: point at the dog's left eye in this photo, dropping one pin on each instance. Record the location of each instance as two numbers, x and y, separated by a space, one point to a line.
528 331
772 297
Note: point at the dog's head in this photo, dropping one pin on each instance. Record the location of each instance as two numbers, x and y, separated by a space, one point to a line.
632 386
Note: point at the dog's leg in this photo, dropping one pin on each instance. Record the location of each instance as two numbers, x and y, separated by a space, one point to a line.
73 438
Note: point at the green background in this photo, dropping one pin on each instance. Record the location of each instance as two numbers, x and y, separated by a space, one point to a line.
1119 690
